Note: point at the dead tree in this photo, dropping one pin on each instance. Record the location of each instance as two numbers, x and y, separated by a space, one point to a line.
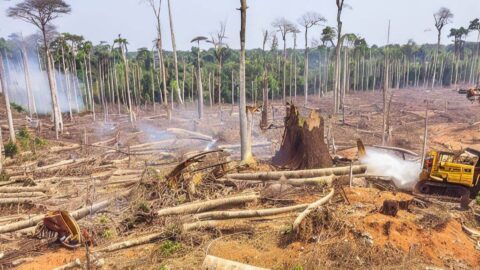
284 27
199 77
442 18
308 20
303 146
245 137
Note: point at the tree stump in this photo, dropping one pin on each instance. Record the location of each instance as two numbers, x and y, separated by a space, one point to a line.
303 145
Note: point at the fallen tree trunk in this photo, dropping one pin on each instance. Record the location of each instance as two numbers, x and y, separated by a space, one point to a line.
324 180
275 175
134 242
32 221
22 189
231 224
216 263
310 208
17 200
198 207
218 215
57 149
189 134
236 146
21 195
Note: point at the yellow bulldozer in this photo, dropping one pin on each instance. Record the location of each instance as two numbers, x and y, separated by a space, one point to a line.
452 175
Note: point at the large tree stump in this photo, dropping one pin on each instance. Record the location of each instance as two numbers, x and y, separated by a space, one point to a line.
303 146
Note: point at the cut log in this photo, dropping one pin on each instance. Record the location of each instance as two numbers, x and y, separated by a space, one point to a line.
189 134
275 175
22 189
310 208
303 145
134 242
198 207
219 225
32 221
216 263
57 149
21 195
17 200
324 180
236 146
219 215
397 149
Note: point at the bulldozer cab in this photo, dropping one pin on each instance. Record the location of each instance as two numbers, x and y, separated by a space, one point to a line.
455 169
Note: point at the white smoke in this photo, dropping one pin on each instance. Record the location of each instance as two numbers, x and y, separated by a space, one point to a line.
16 85
405 173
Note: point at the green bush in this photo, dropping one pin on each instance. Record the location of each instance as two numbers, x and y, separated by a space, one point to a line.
11 149
23 133
17 107
298 267
169 247
40 142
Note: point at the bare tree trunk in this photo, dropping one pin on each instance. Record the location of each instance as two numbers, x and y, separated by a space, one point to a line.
210 88
57 116
246 147
199 85
127 85
32 109
305 62
174 47
436 59
4 89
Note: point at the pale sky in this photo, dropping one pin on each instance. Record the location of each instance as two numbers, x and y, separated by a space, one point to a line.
103 20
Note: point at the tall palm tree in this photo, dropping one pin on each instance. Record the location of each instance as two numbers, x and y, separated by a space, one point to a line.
122 43
285 27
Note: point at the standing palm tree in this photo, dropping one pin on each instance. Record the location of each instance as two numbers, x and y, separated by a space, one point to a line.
122 43
246 143
41 13
475 26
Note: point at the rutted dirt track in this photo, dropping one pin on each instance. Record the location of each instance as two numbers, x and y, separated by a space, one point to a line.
130 166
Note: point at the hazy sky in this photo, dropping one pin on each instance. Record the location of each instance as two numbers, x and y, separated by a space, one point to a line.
103 20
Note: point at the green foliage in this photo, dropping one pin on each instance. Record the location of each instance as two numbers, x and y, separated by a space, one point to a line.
103 219
297 267
478 198
143 207
23 133
169 247
17 107
107 233
40 142
11 149
163 267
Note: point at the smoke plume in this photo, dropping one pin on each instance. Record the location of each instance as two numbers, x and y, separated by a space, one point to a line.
404 172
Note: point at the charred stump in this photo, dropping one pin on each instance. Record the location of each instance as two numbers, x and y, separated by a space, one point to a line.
303 145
